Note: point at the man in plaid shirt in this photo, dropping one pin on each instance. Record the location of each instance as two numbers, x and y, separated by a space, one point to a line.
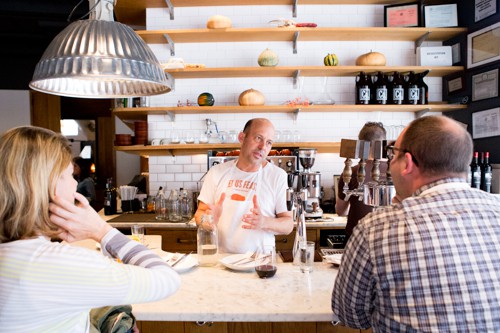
431 261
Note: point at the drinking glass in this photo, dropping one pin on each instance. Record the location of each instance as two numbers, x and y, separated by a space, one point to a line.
137 231
306 256
265 262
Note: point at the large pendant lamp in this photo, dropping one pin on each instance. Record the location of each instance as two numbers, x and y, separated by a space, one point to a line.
99 58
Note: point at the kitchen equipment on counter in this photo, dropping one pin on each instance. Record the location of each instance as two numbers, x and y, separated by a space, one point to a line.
286 159
310 180
377 192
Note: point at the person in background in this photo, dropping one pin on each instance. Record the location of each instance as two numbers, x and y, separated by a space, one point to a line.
429 263
247 197
48 286
354 208
81 172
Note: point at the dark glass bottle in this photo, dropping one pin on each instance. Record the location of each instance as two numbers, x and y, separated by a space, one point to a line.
362 89
373 89
475 172
412 91
110 198
381 91
398 89
423 88
486 173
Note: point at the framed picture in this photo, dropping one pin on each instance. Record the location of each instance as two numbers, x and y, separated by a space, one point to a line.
440 16
484 9
483 46
402 15
485 85
486 123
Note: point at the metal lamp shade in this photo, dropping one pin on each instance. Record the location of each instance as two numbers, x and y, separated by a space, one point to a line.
99 59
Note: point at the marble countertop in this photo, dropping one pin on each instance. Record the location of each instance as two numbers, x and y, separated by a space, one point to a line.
218 294
149 221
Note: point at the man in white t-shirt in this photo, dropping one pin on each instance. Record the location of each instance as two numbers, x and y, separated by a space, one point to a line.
247 197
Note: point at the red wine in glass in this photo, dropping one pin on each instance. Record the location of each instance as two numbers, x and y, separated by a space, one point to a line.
265 271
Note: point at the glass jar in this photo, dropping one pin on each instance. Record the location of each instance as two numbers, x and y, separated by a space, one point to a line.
174 207
207 242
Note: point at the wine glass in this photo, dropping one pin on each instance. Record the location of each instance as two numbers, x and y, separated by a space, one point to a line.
265 262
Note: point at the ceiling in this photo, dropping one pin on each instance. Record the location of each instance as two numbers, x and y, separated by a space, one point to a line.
26 29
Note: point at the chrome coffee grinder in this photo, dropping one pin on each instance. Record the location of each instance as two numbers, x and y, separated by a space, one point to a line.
311 181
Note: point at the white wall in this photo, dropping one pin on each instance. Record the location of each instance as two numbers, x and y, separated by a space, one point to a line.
14 109
185 171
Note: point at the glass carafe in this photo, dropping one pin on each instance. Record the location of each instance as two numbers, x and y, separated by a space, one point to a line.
207 242
174 206
161 209
186 206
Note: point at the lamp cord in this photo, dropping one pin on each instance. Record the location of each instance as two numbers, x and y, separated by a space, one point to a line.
78 4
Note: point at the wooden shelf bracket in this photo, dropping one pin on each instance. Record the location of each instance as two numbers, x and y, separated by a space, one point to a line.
295 38
294 12
421 113
421 39
170 8
296 75
171 79
171 44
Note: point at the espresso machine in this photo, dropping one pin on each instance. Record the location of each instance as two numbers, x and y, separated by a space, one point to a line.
311 181
377 192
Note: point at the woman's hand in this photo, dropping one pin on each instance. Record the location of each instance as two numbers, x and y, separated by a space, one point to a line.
77 221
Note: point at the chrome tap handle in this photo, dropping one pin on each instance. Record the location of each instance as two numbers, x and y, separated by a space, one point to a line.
347 173
361 172
376 170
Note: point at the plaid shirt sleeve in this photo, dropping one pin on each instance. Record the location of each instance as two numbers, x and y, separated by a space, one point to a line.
354 286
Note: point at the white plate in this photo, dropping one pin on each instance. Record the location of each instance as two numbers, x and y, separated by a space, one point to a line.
245 266
184 265
334 259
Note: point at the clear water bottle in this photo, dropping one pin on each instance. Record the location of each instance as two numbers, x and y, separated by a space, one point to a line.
207 242
186 206
161 209
174 207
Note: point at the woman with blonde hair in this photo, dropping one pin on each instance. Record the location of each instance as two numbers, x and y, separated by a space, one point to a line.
47 286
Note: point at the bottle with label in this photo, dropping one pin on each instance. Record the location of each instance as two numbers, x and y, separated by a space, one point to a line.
423 88
475 172
110 198
398 89
207 241
412 91
373 89
362 89
381 89
486 173
174 206
161 209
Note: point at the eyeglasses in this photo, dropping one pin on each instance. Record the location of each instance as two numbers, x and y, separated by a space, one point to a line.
391 149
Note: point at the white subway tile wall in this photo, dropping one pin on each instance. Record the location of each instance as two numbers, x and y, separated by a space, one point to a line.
186 171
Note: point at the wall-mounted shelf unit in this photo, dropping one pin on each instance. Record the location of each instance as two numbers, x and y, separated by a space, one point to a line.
141 113
192 149
295 35
133 12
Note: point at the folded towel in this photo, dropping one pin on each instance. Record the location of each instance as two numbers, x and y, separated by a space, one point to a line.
112 319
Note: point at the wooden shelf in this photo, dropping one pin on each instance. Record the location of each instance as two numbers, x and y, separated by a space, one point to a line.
133 12
191 149
293 34
297 71
141 113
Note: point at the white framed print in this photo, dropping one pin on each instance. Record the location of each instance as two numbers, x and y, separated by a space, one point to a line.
483 46
440 16
486 123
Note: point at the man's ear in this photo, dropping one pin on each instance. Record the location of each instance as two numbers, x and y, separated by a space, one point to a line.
409 166
241 136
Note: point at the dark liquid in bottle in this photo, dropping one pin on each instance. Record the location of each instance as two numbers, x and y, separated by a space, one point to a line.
265 271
